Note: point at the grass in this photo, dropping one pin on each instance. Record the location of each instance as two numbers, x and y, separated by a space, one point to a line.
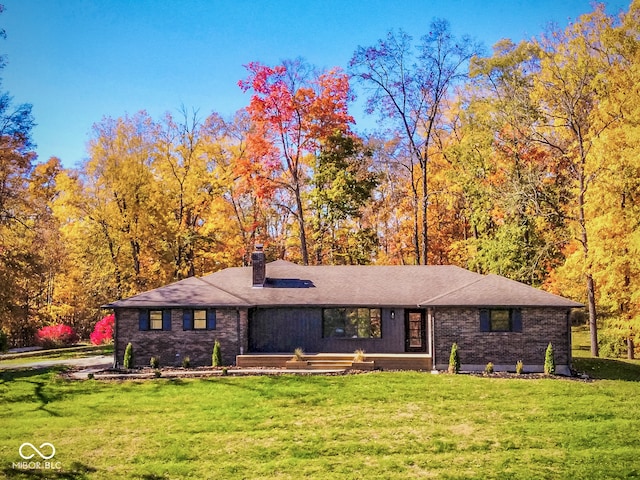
380 425
600 368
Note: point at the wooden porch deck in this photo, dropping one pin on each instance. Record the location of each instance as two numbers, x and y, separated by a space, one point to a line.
337 361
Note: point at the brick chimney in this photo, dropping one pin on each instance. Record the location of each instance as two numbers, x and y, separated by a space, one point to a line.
258 262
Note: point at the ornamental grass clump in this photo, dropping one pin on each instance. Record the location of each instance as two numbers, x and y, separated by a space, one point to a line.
358 356
154 362
298 355
216 357
186 362
519 367
454 359
489 368
549 361
128 356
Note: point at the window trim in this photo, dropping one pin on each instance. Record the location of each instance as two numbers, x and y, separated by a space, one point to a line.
151 320
203 320
346 325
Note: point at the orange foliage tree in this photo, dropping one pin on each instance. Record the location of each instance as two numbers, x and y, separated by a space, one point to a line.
293 111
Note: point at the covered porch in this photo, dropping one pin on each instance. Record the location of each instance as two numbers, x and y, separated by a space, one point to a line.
338 361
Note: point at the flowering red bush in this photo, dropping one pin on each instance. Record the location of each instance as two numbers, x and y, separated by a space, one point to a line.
103 331
56 336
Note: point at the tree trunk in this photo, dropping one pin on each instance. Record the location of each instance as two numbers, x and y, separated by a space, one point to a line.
593 325
630 349
425 219
591 289
301 225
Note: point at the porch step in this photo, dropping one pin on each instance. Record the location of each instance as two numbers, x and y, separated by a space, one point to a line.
384 361
329 364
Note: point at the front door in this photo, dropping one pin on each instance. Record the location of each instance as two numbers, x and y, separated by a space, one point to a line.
416 331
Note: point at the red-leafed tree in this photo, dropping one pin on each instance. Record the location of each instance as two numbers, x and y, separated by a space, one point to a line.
293 111
103 331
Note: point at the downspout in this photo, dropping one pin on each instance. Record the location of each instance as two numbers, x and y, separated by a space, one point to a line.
432 341
240 348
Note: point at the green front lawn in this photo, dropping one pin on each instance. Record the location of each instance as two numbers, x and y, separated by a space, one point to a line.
379 425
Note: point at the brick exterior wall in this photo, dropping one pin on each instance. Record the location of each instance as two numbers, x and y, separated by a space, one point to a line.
539 327
172 346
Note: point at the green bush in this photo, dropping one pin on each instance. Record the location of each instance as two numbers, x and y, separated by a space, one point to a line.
154 362
186 362
454 359
519 367
489 368
549 361
611 344
216 358
128 356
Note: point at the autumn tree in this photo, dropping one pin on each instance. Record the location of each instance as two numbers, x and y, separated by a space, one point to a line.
343 184
612 203
186 163
293 110
566 89
511 188
20 261
407 86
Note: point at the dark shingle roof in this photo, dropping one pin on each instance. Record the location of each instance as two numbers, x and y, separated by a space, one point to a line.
494 290
289 284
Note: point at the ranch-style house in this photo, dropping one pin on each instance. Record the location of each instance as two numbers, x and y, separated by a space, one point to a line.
402 317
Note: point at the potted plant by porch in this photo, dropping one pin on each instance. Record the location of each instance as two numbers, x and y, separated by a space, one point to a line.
298 360
360 361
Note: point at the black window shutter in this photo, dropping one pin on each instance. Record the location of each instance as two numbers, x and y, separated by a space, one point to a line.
166 320
516 320
485 320
143 320
187 319
211 319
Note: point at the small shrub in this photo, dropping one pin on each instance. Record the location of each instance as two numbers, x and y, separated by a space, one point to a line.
454 359
154 362
216 357
519 367
186 362
157 373
298 355
103 331
489 368
128 356
90 376
55 336
358 356
549 361
225 372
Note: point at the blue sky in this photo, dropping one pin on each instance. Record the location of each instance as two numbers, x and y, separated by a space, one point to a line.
77 61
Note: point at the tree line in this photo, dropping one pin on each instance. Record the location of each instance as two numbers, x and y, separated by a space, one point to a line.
523 161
